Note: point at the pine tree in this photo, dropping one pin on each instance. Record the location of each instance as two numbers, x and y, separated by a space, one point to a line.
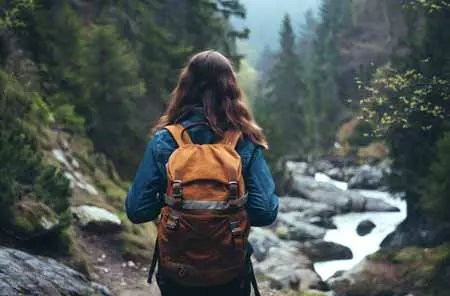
287 90
114 89
324 88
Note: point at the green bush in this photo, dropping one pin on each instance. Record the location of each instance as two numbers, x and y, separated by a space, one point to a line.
436 186
23 173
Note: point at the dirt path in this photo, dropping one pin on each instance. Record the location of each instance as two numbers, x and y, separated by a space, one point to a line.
124 278
121 277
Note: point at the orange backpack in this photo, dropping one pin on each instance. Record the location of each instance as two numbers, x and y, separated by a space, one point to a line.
204 227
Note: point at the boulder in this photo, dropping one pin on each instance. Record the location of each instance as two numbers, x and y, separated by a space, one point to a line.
24 274
336 174
96 219
297 168
326 223
367 177
379 205
365 227
287 268
343 201
323 165
262 240
322 192
320 250
310 208
32 219
292 226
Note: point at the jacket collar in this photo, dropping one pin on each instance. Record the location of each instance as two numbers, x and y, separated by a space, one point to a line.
195 115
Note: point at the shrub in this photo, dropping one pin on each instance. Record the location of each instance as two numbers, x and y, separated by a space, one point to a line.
23 172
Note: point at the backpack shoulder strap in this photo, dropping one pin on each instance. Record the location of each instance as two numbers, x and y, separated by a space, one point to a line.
231 137
179 134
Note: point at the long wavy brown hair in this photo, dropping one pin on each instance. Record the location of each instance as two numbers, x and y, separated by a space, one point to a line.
209 81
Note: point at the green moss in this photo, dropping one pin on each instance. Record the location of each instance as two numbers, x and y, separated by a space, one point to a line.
137 241
408 255
114 194
308 293
422 271
23 224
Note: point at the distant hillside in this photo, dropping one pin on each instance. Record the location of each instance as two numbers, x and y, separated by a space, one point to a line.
264 21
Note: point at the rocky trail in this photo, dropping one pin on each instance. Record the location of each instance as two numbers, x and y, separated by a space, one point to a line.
123 278
126 278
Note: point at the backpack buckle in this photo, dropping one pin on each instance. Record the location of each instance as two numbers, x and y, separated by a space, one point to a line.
235 227
173 222
177 189
233 187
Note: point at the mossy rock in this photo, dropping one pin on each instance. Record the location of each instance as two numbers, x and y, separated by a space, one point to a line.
30 219
419 271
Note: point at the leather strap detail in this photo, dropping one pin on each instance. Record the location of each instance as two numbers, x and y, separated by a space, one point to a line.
176 130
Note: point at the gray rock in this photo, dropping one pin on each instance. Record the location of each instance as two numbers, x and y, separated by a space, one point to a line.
336 174
292 226
24 274
96 219
343 201
365 227
309 208
287 268
323 166
320 250
262 240
326 223
379 205
322 192
297 168
367 177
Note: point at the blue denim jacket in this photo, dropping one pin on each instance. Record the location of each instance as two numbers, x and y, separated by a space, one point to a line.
145 196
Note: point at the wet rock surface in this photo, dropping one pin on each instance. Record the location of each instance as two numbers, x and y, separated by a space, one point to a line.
365 227
24 274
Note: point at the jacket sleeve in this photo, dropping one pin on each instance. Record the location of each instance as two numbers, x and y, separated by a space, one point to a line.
262 205
144 199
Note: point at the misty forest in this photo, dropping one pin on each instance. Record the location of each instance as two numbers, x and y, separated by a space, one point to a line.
353 97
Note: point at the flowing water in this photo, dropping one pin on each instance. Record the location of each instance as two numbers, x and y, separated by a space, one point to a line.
346 235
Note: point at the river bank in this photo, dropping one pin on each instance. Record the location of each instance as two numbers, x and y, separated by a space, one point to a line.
316 236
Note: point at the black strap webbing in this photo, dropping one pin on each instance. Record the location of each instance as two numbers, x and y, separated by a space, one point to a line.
154 262
253 279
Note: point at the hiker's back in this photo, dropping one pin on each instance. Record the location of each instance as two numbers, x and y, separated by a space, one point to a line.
204 226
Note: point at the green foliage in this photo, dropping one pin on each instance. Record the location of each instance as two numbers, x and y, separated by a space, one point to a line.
9 17
436 185
409 103
429 5
23 173
396 98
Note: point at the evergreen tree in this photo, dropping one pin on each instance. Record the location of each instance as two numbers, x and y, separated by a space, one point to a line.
325 98
287 91
114 89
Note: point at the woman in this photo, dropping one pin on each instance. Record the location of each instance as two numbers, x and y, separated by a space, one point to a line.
207 91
